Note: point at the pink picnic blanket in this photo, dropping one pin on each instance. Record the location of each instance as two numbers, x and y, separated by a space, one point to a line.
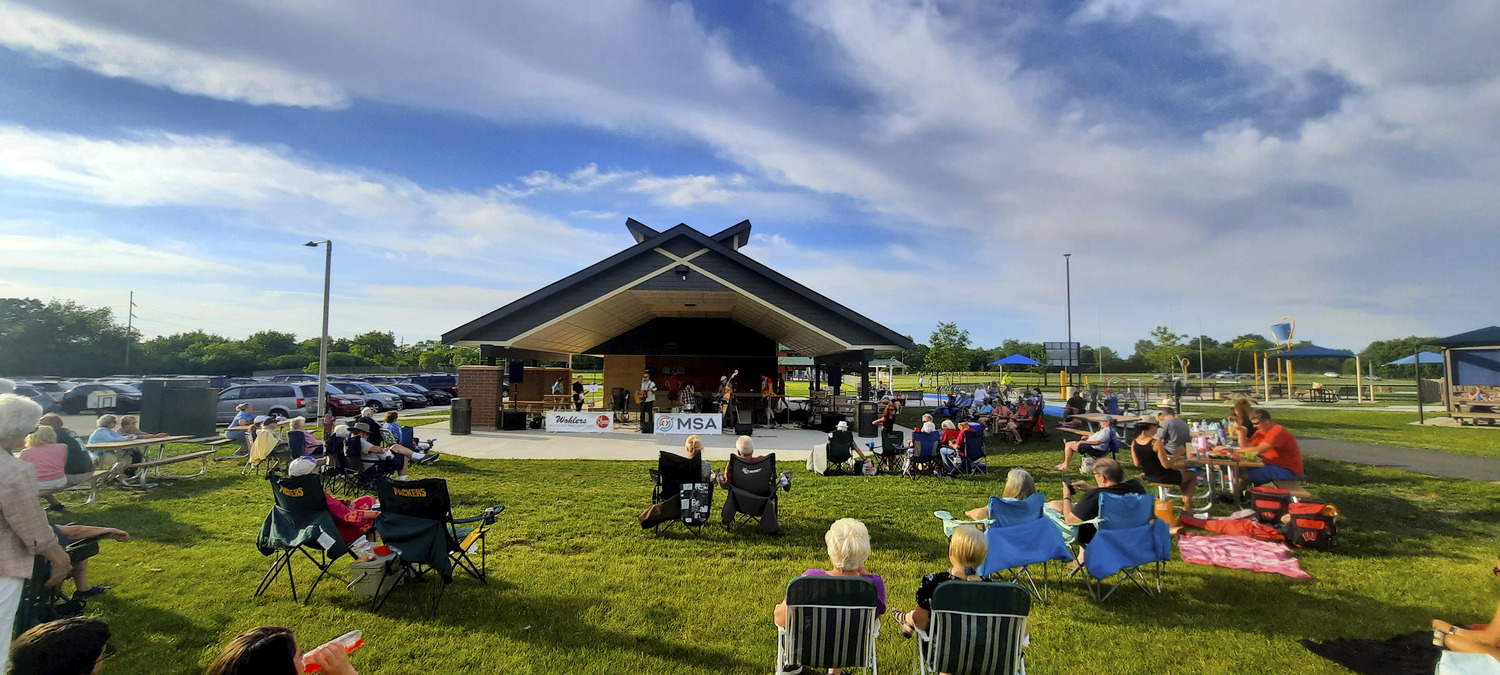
1240 553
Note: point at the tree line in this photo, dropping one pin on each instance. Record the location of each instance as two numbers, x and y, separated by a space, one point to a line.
950 349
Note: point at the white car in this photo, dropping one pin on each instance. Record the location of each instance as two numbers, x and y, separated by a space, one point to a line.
1332 374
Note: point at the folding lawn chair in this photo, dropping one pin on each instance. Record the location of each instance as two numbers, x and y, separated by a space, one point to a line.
924 453
41 603
1131 541
970 462
679 494
416 518
752 493
892 447
299 522
831 622
976 628
1021 537
840 449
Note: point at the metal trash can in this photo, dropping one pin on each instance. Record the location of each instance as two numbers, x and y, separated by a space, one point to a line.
462 419
867 417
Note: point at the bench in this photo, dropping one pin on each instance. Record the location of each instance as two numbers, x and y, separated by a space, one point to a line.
218 442
92 487
1293 488
143 468
1474 417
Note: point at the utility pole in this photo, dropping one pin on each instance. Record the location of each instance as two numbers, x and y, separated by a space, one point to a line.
323 341
129 329
1068 270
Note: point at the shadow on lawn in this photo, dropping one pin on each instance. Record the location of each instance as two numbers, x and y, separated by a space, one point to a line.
1379 519
143 523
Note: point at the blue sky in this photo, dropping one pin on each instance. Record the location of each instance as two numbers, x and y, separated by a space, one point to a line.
1210 164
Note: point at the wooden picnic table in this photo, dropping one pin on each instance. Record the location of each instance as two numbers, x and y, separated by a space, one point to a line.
1229 467
148 466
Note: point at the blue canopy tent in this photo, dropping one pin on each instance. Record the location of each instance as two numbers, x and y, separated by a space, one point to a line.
1419 357
1471 360
1015 360
1316 352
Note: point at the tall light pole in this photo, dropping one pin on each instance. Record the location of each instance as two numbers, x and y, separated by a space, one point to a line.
1068 270
323 343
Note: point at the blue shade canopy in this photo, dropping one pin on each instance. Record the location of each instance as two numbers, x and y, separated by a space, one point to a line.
1016 360
1314 352
1419 357
1483 337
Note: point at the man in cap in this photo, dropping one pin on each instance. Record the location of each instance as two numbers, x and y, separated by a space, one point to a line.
1097 445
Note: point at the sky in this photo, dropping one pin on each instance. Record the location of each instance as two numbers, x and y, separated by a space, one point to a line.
1210 165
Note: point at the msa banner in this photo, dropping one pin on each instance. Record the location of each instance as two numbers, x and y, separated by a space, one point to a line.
567 421
689 423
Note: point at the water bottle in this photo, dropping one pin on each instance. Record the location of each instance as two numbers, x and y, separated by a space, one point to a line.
350 641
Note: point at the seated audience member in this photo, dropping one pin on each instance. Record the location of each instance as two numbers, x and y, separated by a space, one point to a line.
1467 640
693 447
375 454
1075 405
66 535
355 519
848 542
1159 467
1018 486
244 416
927 425
107 431
80 466
966 551
310 443
1276 447
274 649
745 448
51 460
887 421
951 445
76 645
130 426
267 439
844 426
1241 427
394 427
1108 477
981 396
1096 445
24 532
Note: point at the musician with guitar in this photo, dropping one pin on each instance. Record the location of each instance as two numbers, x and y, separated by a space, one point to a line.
726 396
646 396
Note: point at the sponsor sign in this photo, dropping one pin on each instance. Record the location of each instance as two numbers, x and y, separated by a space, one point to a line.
567 421
689 423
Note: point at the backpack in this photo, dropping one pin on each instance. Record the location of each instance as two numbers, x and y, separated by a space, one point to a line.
1313 526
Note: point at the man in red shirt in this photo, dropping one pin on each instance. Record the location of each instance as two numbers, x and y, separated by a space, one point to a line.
1277 448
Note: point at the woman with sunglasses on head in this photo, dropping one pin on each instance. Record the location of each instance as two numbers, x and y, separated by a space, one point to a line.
76 645
273 650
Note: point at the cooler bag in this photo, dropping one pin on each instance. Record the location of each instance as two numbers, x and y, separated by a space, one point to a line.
1270 504
1313 526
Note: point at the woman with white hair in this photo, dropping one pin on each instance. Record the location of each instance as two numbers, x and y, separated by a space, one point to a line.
24 532
107 431
244 416
848 543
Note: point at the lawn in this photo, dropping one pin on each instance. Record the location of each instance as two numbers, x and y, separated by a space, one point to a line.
577 587
1376 426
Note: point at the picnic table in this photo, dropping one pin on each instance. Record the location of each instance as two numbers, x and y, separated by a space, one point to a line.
1224 478
147 467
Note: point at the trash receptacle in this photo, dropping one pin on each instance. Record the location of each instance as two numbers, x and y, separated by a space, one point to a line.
462 419
867 417
179 406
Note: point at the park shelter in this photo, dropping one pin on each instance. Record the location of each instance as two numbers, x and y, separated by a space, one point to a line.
1314 352
688 306
1470 360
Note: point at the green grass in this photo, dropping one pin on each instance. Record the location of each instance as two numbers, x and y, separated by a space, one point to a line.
1378 426
577 587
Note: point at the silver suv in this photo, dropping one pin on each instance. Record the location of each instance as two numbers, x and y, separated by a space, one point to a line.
285 400
374 398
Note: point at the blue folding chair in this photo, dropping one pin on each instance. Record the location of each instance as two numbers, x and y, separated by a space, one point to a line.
1130 541
1019 538
973 452
924 453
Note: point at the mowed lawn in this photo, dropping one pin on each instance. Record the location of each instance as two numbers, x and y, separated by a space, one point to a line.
1375 426
577 587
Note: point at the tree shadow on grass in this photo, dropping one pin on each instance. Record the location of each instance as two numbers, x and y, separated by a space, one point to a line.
1379 519
143 523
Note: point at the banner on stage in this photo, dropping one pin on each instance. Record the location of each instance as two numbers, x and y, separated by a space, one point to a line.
567 421
689 423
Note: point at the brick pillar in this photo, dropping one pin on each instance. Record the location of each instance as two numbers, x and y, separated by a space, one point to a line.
482 386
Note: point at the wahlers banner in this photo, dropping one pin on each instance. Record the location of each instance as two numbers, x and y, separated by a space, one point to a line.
689 423
580 422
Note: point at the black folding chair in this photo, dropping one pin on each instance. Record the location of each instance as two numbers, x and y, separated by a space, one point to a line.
975 627
831 622
416 518
690 508
299 522
840 448
752 493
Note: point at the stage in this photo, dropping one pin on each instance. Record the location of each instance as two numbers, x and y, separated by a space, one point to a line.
788 442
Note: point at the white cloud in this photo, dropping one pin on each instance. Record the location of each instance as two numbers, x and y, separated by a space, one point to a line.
689 190
181 69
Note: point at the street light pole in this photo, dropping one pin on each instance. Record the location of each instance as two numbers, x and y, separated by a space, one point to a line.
323 342
1068 271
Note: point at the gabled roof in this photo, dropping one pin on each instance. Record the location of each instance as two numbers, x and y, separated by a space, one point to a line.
1483 337
680 272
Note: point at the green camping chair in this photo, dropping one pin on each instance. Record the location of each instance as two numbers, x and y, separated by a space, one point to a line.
416 518
831 622
300 521
976 628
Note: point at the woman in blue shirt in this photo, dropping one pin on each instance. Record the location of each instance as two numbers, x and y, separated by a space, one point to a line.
107 433
244 418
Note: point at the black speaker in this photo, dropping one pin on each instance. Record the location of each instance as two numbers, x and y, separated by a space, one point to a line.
512 420
744 430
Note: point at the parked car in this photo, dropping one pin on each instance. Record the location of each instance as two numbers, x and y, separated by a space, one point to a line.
434 396
101 397
284 400
39 397
445 382
51 388
294 378
375 398
408 399
378 380
1332 374
1373 378
339 403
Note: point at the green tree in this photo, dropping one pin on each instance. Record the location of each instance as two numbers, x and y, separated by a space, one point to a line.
62 338
375 346
949 350
1166 348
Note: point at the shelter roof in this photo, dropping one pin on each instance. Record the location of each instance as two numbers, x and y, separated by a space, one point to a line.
1016 360
1314 352
1423 356
679 273
1483 337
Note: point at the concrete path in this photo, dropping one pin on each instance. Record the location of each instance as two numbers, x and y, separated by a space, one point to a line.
1428 462
789 443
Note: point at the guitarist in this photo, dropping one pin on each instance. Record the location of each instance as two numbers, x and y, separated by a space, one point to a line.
726 396
647 397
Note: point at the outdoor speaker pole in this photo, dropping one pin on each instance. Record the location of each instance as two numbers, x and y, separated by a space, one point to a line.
1416 367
